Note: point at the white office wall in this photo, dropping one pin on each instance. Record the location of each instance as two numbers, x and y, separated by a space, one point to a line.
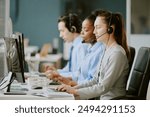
140 40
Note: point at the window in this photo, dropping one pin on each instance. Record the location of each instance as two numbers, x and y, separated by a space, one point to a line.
140 17
2 17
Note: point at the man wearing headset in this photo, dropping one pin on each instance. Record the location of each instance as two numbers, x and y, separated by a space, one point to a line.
70 27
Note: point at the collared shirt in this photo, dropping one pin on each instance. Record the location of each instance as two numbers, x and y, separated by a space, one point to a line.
78 53
89 63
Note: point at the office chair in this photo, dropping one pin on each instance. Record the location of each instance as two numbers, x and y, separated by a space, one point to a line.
140 75
132 53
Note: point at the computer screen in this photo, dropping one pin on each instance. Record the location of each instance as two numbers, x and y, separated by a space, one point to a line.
3 59
5 75
15 59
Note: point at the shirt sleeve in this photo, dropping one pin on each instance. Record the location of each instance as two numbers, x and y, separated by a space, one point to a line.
92 69
65 71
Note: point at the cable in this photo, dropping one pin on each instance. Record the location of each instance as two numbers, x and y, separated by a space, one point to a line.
103 55
11 80
109 31
1 81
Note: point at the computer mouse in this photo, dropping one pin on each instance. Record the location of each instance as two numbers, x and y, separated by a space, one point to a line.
38 87
54 83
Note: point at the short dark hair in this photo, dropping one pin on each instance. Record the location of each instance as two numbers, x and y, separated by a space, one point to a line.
71 20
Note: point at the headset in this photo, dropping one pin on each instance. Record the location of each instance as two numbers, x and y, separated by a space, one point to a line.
72 28
110 29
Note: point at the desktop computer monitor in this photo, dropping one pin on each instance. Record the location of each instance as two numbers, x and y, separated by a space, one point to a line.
3 60
5 75
15 57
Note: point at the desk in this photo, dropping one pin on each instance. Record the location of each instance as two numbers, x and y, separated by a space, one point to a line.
47 58
31 49
34 61
29 96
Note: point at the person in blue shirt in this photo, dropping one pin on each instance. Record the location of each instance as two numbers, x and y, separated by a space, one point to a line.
110 78
69 27
94 52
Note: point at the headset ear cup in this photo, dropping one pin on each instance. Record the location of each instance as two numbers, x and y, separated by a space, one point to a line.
73 29
110 30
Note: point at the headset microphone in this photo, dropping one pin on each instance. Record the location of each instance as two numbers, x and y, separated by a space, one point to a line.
101 35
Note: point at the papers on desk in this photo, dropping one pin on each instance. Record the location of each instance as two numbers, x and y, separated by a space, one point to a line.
52 93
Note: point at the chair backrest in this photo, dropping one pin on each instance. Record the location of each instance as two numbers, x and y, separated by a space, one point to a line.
132 53
140 75
132 56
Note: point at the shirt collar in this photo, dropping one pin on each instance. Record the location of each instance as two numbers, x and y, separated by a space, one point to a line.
77 40
94 47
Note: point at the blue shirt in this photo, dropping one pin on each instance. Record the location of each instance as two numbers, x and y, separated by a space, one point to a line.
89 64
78 53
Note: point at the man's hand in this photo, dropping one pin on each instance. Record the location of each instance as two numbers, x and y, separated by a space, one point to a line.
48 67
52 75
